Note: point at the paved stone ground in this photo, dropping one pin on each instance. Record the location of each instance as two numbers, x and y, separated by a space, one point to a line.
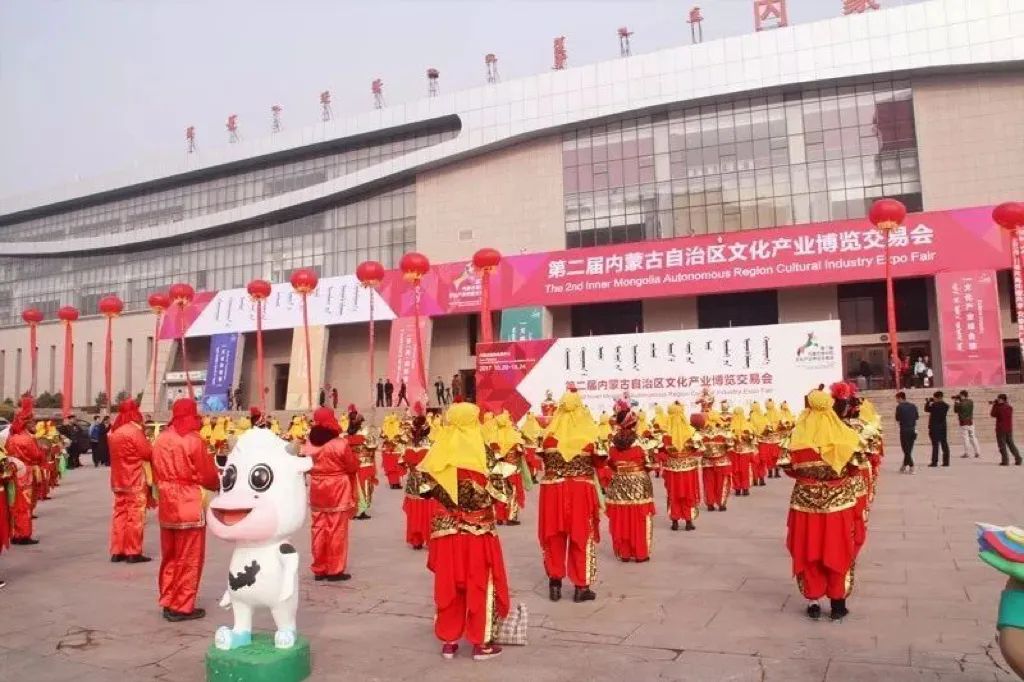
717 604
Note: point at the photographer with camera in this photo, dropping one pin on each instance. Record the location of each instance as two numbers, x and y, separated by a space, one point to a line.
1003 414
964 408
938 410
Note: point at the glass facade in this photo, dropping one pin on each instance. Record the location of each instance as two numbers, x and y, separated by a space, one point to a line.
209 196
813 155
332 241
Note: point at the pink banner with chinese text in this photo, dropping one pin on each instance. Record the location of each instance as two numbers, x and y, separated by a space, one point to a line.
969 327
403 360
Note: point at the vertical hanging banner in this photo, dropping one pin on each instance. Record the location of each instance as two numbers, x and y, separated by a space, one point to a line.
220 372
403 360
970 329
1018 289
522 324
296 397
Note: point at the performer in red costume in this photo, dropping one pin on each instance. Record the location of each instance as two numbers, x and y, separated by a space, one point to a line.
470 584
391 444
682 465
185 476
366 450
21 446
8 472
507 446
568 520
630 493
716 466
823 508
744 447
418 510
130 453
332 498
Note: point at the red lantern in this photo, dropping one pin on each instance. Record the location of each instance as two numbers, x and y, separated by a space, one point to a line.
259 289
1009 215
304 280
182 293
887 214
159 302
111 306
414 266
68 313
32 315
370 273
486 259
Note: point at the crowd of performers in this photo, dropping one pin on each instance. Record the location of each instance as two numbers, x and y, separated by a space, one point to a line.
463 474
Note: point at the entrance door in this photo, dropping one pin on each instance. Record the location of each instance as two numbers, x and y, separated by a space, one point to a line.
468 377
281 385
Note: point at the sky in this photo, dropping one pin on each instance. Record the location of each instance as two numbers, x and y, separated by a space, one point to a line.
92 86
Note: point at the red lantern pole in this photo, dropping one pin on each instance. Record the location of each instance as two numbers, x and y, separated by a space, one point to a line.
158 303
182 295
110 307
68 315
486 261
886 215
259 291
304 281
32 317
370 273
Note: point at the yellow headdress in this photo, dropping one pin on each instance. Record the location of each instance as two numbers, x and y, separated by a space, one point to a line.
868 413
678 426
219 433
758 421
785 415
642 425
206 431
460 445
660 418
391 427
821 429
771 413
740 423
572 426
531 427
507 435
604 427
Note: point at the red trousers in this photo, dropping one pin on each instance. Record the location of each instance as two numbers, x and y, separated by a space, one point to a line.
823 550
769 456
510 511
470 586
127 523
717 484
631 527
41 484
182 553
329 542
419 513
682 491
21 510
392 469
568 530
742 463
5 519
366 479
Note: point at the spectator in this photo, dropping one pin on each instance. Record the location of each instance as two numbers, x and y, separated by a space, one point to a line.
1003 414
389 391
380 392
334 397
906 417
964 408
238 397
94 439
322 397
905 371
439 389
865 369
919 372
862 382
448 394
401 395
70 430
457 386
101 451
938 410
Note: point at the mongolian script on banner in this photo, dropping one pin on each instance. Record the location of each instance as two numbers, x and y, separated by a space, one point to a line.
970 328
740 364
220 372
403 358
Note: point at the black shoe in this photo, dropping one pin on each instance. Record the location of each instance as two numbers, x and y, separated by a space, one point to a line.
417 546
711 508
839 610
117 558
25 541
583 594
624 560
933 464
746 493
945 464
675 525
721 507
500 522
737 492
1018 462
3 584
1004 464
814 611
338 577
515 523
362 516
137 558
690 526
318 578
177 617
554 589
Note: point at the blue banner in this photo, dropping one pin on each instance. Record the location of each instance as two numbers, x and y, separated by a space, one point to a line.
220 372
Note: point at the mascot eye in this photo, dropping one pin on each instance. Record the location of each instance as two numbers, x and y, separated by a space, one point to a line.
260 477
228 478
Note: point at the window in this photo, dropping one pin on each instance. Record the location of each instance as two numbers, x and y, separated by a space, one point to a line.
737 310
862 306
596 319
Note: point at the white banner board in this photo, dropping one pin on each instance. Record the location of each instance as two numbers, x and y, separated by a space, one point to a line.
739 364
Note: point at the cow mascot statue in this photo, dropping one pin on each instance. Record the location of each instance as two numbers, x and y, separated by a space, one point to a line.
262 501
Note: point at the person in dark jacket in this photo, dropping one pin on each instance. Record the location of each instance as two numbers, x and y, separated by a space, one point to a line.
1003 414
389 391
380 392
402 395
906 417
101 451
938 410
